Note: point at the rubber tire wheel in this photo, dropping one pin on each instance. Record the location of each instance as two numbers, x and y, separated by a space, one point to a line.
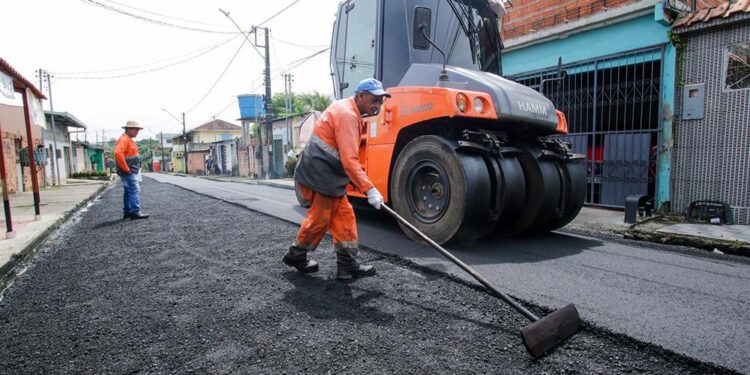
430 149
300 199
574 173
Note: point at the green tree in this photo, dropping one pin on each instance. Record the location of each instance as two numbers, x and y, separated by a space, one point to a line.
301 103
144 149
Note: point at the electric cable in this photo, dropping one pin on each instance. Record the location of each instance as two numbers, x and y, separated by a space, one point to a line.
226 14
200 52
219 78
279 12
151 20
308 47
161 15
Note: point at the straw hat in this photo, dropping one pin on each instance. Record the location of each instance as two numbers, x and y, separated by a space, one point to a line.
132 124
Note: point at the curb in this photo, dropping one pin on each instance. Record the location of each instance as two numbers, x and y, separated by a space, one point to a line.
249 182
727 247
8 268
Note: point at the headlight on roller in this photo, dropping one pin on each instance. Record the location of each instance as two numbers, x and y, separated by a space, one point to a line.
462 101
478 105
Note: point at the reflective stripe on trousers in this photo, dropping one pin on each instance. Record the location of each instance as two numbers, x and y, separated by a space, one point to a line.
334 214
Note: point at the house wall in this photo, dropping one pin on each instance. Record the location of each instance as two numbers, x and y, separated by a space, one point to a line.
63 141
528 16
629 35
10 160
14 132
606 38
79 158
196 162
214 136
712 154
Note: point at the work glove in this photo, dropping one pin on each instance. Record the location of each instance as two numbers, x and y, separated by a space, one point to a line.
374 198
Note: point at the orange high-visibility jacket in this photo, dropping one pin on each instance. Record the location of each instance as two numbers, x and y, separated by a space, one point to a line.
126 155
331 157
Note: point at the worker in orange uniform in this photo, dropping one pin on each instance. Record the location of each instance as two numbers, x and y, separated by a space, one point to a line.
128 164
328 164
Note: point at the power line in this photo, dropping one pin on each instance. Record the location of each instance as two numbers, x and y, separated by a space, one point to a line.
279 12
201 51
161 15
242 32
305 59
151 20
309 47
220 77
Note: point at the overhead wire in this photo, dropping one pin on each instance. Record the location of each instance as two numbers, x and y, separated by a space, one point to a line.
308 47
161 15
200 52
219 78
279 12
151 20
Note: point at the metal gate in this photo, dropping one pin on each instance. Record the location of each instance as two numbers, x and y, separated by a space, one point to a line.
612 105
278 158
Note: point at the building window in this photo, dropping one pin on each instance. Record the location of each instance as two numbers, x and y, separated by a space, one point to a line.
737 67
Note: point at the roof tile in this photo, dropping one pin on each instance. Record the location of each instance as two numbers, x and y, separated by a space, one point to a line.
726 9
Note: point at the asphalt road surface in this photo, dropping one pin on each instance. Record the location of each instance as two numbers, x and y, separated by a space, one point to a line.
199 287
688 301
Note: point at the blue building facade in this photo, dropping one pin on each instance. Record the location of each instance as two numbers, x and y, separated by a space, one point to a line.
617 94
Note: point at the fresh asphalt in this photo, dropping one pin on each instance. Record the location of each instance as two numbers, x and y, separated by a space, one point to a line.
681 300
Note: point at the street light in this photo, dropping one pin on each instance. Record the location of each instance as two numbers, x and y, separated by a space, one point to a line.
184 136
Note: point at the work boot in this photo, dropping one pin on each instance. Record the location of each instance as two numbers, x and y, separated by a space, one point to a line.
125 216
348 267
138 216
297 258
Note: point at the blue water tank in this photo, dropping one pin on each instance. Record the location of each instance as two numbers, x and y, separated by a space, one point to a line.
251 105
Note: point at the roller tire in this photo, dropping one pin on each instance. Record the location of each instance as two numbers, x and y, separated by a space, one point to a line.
542 192
574 178
430 172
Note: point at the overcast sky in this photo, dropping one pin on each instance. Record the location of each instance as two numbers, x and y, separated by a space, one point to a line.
161 63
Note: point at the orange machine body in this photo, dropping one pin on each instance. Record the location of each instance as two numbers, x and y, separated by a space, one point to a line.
410 106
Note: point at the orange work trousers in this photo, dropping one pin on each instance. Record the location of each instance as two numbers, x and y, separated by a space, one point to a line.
326 213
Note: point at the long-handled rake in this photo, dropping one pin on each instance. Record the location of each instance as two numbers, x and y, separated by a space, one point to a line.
539 336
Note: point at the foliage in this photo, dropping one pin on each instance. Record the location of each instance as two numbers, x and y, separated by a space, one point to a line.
145 146
289 166
301 103
90 173
679 44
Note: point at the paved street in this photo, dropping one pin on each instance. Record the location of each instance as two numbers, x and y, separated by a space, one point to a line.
683 300
199 287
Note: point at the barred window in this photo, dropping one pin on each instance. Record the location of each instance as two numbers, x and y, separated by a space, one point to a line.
738 67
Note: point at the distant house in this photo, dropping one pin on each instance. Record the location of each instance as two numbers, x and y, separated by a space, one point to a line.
198 142
86 157
259 160
59 134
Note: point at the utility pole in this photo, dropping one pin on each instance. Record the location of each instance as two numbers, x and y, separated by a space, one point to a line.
44 75
269 115
184 140
104 151
288 91
161 138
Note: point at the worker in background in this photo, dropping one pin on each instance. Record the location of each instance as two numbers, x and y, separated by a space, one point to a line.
128 164
327 165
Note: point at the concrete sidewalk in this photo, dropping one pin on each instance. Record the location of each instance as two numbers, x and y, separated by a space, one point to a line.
57 203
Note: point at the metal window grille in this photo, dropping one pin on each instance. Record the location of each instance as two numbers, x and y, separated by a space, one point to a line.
612 105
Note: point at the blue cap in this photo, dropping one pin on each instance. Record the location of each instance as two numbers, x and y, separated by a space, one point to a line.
373 86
